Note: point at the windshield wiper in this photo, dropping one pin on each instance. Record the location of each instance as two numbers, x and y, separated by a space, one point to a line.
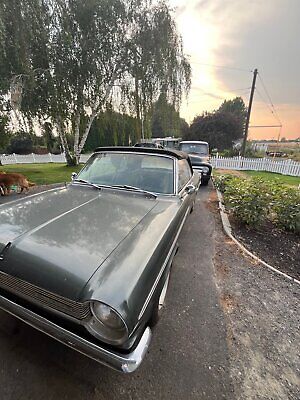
87 183
135 189
116 186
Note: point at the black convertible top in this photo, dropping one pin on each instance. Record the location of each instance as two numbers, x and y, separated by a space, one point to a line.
174 153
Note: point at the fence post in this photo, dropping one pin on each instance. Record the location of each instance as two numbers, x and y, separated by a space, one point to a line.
50 157
15 158
33 157
239 162
287 167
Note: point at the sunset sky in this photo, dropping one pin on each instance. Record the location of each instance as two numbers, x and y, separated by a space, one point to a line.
244 34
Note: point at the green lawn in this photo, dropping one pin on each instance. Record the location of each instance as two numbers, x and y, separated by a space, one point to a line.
271 176
42 174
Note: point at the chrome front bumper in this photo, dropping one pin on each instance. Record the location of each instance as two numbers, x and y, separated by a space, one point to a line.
121 362
198 169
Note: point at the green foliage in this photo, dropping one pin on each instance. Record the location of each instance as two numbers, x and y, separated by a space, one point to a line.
21 143
236 107
63 61
166 120
111 129
254 201
221 182
229 153
249 200
221 127
48 136
287 208
5 134
156 59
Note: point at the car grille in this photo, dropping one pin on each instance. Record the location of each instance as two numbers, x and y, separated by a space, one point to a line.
44 298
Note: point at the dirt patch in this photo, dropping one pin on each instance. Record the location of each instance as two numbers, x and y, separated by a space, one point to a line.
213 203
236 173
276 247
228 302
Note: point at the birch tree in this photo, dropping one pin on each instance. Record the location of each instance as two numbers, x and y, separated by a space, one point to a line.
69 58
157 62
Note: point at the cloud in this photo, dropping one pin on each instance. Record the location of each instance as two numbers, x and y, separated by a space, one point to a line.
246 34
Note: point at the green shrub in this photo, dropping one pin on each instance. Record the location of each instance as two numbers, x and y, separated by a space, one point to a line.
249 200
254 201
221 181
287 208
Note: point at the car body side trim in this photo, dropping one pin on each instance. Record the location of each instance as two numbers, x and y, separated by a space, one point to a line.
163 267
121 362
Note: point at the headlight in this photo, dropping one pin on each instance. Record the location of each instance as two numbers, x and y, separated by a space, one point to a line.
205 170
106 324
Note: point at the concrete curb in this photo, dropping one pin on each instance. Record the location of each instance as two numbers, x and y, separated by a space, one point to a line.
228 230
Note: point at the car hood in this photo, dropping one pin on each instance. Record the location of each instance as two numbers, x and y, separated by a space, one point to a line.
57 240
197 159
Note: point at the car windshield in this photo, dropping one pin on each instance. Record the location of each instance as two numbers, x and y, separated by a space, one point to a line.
199 148
143 171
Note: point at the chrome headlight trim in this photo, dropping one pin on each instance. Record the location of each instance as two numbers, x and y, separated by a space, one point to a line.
106 324
205 170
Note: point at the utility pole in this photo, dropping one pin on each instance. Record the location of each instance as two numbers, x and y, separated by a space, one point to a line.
249 113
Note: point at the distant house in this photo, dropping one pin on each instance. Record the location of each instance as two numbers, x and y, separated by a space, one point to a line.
260 146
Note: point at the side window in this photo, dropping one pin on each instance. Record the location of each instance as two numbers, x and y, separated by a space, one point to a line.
184 173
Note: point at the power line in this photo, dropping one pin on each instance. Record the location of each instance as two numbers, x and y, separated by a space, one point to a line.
269 97
269 107
265 126
226 90
220 66
202 98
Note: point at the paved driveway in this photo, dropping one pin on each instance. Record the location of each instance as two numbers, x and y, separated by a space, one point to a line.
187 358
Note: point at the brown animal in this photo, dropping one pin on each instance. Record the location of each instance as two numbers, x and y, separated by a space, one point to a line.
8 180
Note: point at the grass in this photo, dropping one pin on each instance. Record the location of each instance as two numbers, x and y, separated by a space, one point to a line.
43 174
270 176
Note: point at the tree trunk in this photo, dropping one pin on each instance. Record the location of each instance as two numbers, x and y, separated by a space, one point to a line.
70 160
137 109
77 131
79 146
84 136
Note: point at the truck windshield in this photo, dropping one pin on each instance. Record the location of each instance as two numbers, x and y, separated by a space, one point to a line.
198 148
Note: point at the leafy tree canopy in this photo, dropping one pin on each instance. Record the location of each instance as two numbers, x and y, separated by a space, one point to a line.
4 133
221 127
166 120
63 61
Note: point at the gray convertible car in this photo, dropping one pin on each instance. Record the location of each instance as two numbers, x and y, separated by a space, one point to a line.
89 263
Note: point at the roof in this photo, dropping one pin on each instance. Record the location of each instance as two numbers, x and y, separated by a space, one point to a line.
193 142
168 138
168 152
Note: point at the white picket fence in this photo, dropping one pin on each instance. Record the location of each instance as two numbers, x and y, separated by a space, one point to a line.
37 158
285 167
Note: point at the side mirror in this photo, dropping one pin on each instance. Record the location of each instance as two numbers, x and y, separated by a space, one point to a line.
190 189
73 175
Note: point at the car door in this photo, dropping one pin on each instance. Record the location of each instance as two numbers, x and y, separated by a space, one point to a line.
185 178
